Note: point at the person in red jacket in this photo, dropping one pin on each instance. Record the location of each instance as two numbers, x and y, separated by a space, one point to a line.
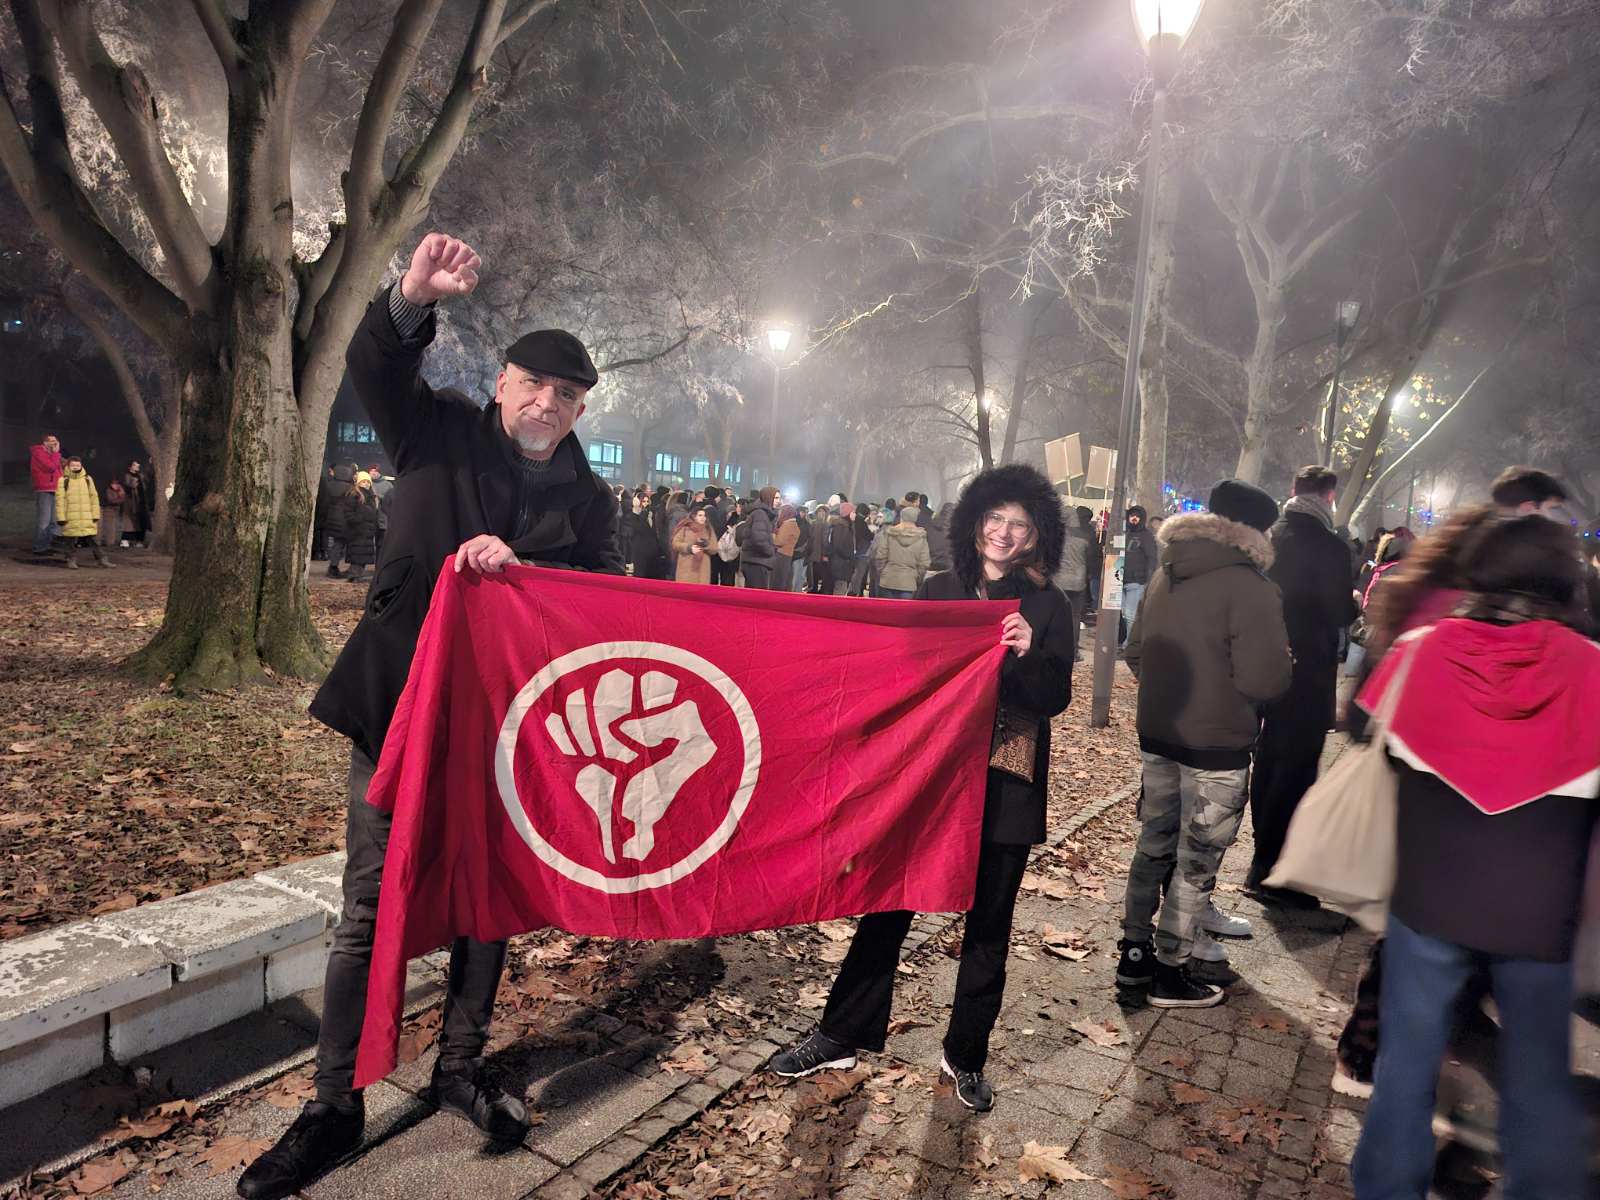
44 463
1498 773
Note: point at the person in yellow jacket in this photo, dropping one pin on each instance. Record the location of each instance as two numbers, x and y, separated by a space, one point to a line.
78 511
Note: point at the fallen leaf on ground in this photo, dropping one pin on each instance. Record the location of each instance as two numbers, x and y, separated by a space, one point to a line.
1177 1060
231 1153
1127 1184
1272 1022
1049 1162
1101 1033
1187 1093
291 1092
98 1174
689 1058
1056 889
1202 1156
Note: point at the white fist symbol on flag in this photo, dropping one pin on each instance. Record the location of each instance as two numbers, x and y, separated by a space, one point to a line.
600 725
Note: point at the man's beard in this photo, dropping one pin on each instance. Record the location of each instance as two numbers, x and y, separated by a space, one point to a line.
529 444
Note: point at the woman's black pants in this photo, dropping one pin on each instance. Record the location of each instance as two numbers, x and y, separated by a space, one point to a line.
857 1013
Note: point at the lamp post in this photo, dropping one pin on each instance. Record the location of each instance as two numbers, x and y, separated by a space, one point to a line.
777 341
1345 316
1163 27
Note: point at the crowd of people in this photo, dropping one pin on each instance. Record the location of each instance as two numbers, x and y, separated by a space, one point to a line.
73 512
1237 619
350 519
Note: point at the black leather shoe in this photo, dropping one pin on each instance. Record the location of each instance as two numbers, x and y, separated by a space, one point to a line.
462 1090
320 1136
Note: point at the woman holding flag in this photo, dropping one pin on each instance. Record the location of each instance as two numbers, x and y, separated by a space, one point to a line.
1006 536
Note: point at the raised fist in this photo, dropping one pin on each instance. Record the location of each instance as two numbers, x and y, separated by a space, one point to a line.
440 266
620 726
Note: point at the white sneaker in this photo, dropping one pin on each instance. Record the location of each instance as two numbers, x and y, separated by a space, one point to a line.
1214 921
1206 950
1347 1084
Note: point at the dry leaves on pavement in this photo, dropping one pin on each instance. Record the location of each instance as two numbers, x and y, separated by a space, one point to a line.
1050 1163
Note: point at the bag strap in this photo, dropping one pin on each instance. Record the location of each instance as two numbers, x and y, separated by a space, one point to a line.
1391 695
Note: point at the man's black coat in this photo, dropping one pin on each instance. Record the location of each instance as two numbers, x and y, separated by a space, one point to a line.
457 477
1312 569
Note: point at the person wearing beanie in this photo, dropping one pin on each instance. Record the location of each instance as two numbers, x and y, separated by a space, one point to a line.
1208 648
361 528
1312 569
1005 541
1138 562
901 554
476 489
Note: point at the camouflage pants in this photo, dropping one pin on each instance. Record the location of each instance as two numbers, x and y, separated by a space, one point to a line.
1188 819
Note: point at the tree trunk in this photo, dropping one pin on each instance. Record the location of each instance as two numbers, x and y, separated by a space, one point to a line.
974 341
1033 310
1150 466
1258 385
237 606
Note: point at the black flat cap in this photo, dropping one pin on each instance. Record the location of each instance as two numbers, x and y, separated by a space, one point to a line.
1243 502
554 352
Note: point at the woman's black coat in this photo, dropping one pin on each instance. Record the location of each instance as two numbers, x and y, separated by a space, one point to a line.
1040 681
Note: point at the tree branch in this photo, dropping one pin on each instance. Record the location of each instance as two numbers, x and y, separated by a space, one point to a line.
1019 112
220 29
43 174
122 98
364 180
516 20
646 359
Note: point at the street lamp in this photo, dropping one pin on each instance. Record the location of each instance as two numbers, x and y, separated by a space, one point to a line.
1345 316
777 341
1163 27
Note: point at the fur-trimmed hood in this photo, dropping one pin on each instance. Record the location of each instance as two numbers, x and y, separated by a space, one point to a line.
1015 484
1197 542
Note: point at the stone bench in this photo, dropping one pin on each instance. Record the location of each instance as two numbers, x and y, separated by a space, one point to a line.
112 988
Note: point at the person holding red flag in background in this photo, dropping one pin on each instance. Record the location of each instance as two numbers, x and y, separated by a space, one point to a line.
510 482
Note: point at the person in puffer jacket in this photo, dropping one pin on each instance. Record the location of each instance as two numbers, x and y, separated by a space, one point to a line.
1493 745
901 553
1210 650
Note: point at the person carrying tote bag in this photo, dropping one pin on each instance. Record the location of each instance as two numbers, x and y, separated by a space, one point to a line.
1488 726
1341 842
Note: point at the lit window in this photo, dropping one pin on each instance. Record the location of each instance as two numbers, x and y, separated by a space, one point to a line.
606 453
699 468
671 463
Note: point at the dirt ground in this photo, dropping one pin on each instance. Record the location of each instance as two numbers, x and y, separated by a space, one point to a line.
114 793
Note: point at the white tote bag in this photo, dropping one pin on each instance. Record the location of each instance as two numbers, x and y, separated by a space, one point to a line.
1341 844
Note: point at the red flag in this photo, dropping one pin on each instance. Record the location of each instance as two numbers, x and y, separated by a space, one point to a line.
639 759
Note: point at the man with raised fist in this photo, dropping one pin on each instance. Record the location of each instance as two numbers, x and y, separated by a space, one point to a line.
481 488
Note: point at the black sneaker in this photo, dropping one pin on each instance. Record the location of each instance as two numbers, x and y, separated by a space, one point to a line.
819 1052
463 1091
1137 966
320 1137
972 1089
1174 987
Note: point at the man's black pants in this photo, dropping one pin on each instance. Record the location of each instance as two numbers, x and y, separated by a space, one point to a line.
474 966
1286 763
857 1013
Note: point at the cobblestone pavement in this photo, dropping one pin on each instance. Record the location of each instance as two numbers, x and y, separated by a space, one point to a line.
645 1065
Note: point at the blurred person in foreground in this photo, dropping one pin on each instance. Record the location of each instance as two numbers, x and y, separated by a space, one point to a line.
1498 770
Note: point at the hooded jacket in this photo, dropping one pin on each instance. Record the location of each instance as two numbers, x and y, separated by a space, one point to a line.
1141 556
901 552
1497 796
1208 647
77 504
756 548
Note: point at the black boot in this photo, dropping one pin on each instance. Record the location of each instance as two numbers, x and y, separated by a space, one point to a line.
1137 965
1174 987
320 1136
463 1091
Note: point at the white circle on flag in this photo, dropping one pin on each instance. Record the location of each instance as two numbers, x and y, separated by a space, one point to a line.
528 697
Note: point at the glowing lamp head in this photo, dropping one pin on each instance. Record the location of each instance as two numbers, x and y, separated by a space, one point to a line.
778 338
1163 19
